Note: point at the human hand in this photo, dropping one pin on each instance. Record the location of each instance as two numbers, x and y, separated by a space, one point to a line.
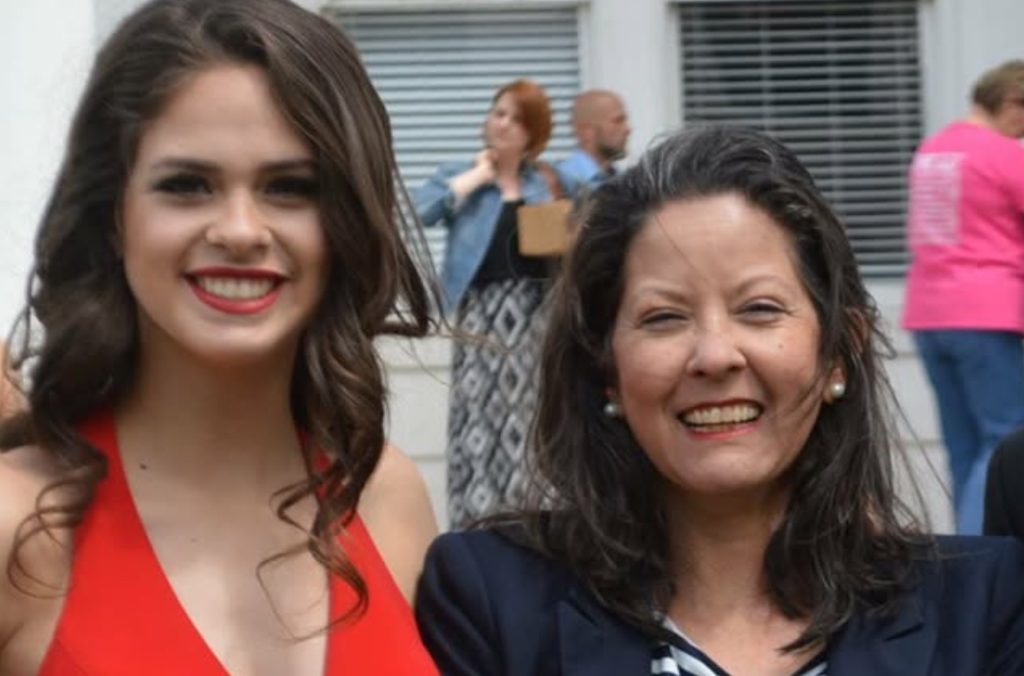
483 172
484 166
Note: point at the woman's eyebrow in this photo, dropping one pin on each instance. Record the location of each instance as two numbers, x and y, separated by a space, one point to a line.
183 164
300 163
204 166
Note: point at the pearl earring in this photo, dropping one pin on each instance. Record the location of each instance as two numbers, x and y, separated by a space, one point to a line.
837 390
612 410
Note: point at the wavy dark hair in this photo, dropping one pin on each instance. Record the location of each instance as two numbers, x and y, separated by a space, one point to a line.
845 541
77 339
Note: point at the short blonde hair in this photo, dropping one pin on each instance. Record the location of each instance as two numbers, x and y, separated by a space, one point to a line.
1005 81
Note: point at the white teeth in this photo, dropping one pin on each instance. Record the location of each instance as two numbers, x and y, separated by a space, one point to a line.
235 288
719 415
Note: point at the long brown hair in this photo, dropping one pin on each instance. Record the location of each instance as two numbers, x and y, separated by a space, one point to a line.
846 541
77 339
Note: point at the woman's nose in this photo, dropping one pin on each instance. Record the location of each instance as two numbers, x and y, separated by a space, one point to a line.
239 226
715 353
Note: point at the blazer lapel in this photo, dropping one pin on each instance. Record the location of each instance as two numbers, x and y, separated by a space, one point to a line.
594 643
901 645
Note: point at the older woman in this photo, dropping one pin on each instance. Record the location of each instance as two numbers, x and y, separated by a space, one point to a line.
495 292
715 491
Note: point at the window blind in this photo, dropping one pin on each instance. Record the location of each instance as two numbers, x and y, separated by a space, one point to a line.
437 70
837 81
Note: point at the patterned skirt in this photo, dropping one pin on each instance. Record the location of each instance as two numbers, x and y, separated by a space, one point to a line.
493 396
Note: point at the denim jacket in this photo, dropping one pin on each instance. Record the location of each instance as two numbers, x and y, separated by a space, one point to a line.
471 226
579 170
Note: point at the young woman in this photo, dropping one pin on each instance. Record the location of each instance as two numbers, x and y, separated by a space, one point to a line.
715 454
201 482
494 292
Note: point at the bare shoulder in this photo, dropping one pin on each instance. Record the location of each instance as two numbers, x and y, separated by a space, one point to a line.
396 509
11 400
24 473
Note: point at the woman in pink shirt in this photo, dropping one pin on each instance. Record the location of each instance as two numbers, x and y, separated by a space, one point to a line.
965 288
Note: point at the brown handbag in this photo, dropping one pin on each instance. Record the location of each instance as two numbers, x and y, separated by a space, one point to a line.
543 228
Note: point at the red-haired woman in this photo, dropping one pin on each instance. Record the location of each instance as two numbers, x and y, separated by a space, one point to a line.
493 291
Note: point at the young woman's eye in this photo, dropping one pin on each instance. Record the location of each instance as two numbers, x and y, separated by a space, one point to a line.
293 187
183 185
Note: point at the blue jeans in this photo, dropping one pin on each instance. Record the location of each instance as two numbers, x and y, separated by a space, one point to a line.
978 379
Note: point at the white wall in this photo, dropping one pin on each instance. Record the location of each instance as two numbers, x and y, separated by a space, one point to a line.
632 49
961 40
109 13
629 46
45 46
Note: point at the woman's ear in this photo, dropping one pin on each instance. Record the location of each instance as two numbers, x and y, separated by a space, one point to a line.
613 406
835 384
860 341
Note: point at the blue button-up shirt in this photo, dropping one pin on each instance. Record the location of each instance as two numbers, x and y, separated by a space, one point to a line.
579 170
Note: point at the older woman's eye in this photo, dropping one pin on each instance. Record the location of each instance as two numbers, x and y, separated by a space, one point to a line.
763 310
183 185
661 319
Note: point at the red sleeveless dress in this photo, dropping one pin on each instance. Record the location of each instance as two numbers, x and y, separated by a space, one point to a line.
121 615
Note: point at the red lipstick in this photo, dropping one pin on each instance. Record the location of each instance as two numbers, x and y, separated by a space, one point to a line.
236 306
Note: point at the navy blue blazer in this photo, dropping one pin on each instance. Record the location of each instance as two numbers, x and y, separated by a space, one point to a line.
488 607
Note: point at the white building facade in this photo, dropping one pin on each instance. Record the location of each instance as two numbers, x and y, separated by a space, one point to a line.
851 85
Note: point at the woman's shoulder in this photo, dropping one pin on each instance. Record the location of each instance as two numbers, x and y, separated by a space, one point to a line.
454 168
963 608
979 597
968 568
32 570
489 603
395 507
505 542
978 549
540 182
500 560
25 472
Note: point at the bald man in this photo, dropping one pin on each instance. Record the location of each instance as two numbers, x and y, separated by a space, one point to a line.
602 128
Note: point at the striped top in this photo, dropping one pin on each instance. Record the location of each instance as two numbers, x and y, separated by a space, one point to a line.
680 656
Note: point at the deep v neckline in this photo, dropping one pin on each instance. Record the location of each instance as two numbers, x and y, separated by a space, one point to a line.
117 477
121 489
121 616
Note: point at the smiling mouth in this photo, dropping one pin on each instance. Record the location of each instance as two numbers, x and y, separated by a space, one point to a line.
720 418
235 288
